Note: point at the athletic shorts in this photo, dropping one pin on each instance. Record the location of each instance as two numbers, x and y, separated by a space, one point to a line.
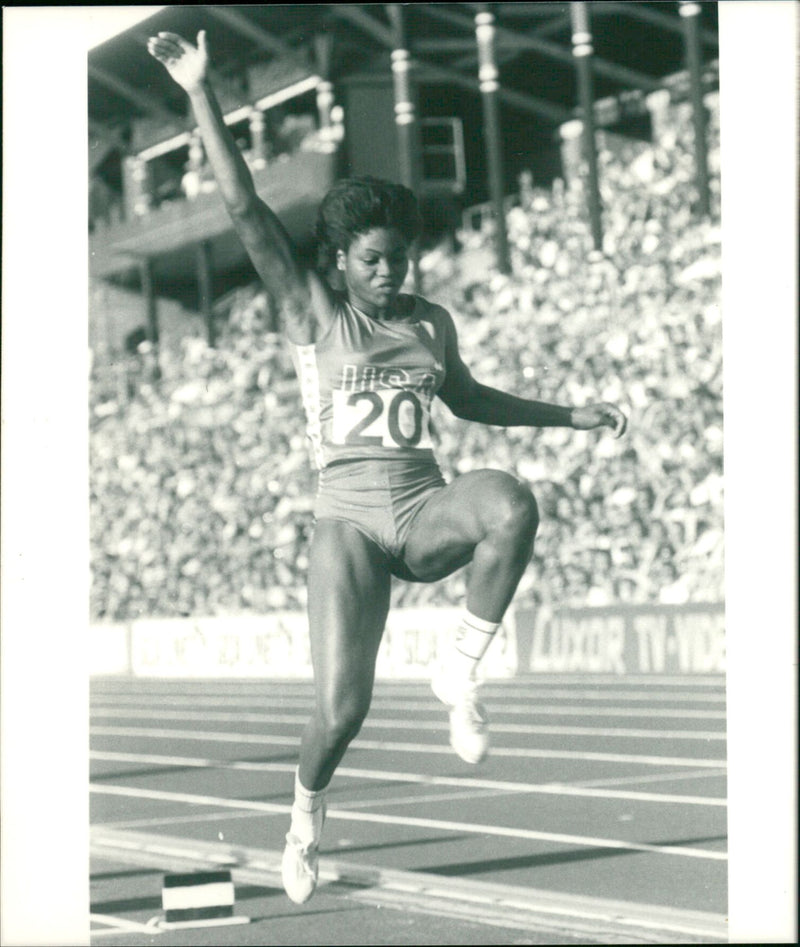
381 498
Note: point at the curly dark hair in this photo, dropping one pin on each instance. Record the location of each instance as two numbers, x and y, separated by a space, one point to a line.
355 205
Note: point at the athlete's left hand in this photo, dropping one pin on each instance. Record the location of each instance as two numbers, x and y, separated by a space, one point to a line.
599 415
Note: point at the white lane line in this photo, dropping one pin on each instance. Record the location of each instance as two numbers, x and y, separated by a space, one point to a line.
405 706
358 804
490 785
174 820
413 724
656 778
439 824
215 736
554 788
577 697
550 685
407 800
194 761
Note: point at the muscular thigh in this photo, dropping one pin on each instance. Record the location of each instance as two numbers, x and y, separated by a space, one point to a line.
349 587
446 531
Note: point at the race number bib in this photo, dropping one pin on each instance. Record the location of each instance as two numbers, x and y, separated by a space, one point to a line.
385 418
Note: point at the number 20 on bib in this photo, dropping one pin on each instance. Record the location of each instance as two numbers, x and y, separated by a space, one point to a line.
388 417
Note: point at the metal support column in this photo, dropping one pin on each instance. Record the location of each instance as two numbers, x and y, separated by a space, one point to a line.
258 143
325 102
582 51
488 78
405 117
204 289
691 12
323 49
137 187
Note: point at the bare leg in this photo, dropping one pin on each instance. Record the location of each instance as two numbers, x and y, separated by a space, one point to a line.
486 517
349 586
348 599
490 519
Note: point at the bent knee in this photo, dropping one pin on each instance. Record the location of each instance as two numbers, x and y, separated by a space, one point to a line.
515 511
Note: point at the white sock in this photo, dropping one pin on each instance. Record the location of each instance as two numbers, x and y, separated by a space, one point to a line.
307 813
472 637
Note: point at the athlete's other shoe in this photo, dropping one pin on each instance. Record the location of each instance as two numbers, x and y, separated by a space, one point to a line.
469 723
300 863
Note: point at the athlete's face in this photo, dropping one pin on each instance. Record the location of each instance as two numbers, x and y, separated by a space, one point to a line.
375 265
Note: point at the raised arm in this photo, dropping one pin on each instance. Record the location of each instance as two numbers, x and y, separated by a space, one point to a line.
472 401
302 298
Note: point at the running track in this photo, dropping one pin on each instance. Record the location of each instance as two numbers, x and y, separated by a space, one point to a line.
599 816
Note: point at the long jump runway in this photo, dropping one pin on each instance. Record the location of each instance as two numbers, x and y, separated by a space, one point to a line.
599 817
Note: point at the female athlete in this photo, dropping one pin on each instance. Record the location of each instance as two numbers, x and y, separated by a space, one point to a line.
370 361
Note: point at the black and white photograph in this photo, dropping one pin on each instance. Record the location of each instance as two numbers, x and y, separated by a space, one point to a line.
399 474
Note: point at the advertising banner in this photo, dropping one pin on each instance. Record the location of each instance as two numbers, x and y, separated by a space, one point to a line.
614 640
414 637
277 645
634 639
273 645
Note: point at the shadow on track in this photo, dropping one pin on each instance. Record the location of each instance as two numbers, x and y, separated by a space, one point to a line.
551 858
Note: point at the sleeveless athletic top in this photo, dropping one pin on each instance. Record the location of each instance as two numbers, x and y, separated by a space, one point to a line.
367 385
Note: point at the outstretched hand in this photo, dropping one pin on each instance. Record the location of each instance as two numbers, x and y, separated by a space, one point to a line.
599 415
186 64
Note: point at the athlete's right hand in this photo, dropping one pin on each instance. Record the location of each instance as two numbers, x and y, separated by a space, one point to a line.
186 64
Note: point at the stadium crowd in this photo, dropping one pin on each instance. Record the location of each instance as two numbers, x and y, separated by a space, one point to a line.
202 487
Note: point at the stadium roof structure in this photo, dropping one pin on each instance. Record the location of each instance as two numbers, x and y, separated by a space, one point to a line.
636 44
139 118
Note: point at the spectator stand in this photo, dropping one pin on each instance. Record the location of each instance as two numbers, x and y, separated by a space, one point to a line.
201 484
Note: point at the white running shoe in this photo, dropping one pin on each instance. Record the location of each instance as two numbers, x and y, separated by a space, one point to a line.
469 723
300 865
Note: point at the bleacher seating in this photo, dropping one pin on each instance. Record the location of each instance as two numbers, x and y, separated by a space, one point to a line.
201 484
